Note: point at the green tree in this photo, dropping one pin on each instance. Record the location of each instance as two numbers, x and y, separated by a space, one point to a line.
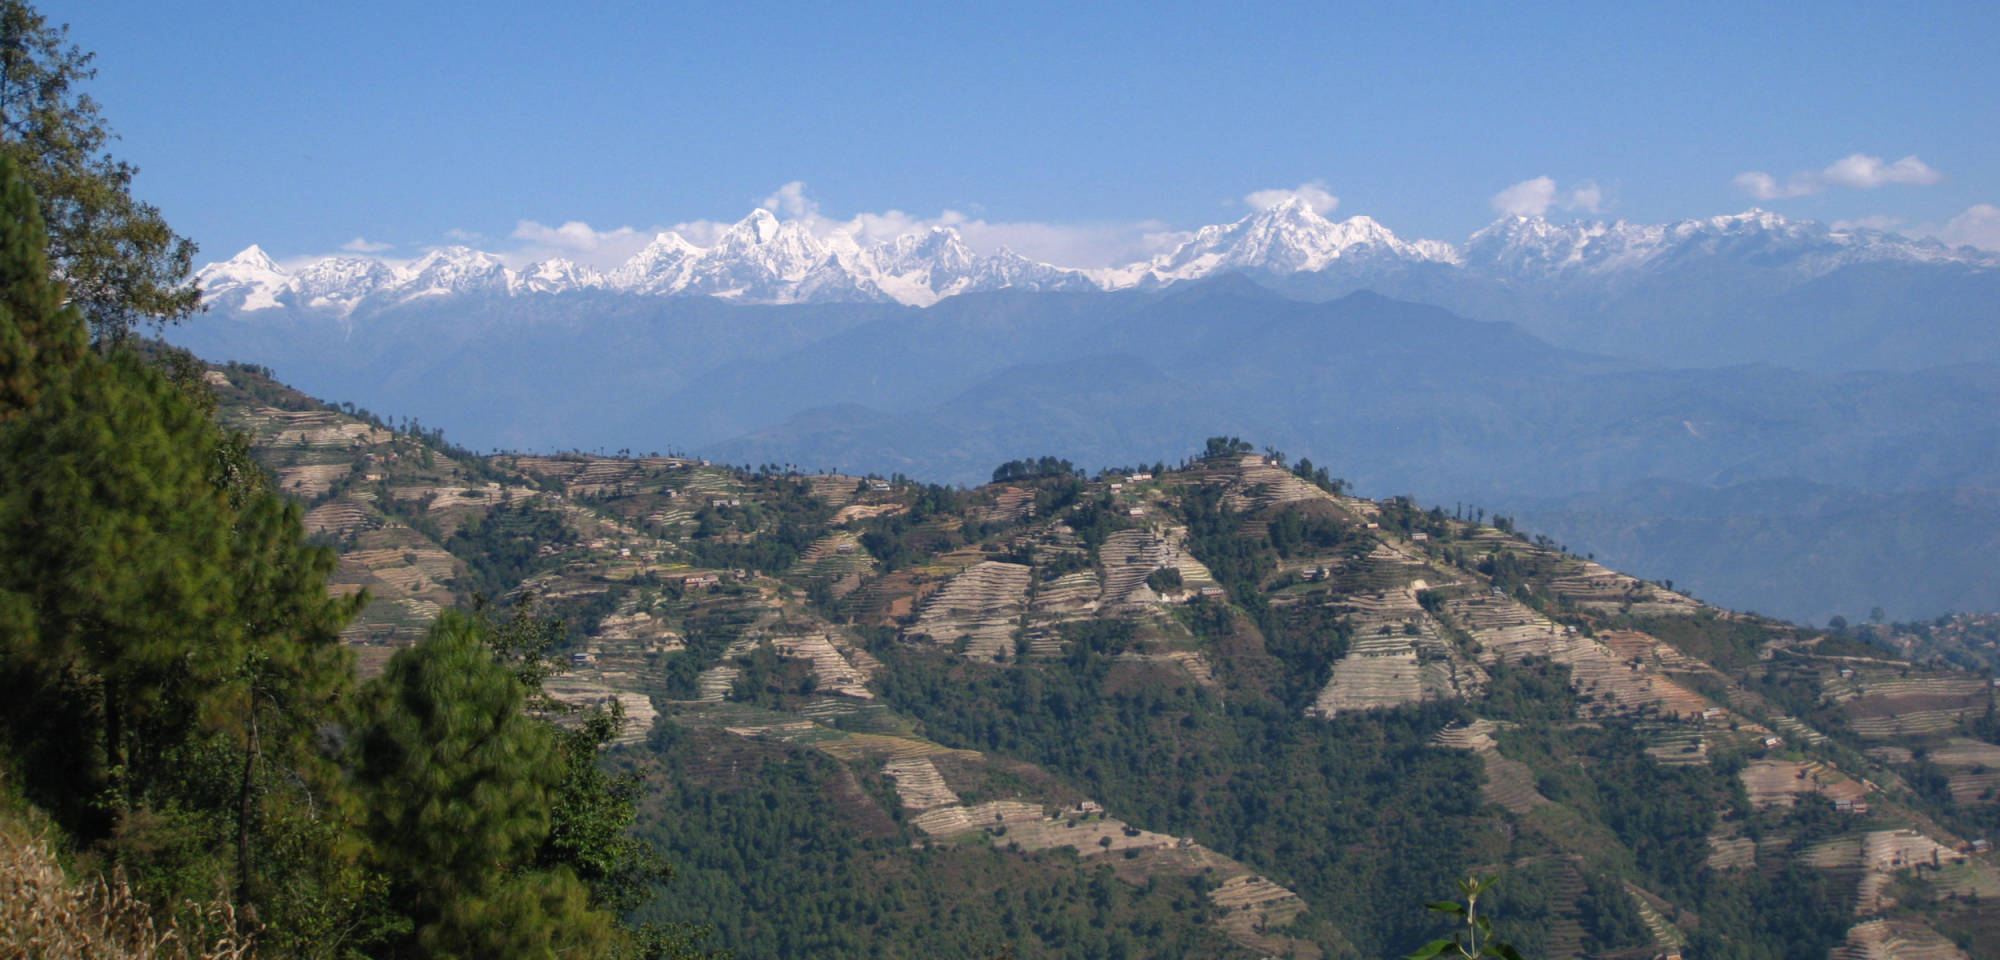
168 649
1225 447
118 257
460 785
39 341
590 811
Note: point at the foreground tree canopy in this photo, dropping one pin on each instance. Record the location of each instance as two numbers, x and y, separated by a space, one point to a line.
175 696
121 262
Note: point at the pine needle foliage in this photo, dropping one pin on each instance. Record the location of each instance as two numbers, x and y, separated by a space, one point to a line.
168 649
119 259
460 783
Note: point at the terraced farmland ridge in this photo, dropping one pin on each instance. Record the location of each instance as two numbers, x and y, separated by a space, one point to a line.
1219 708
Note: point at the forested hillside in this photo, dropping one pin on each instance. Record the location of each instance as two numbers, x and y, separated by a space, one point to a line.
1220 707
282 677
182 727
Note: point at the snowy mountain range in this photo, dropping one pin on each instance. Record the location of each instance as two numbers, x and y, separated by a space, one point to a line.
763 259
1531 248
758 260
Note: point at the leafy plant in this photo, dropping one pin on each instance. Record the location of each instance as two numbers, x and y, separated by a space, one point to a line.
1477 940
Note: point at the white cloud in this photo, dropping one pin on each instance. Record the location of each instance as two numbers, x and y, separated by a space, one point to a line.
1866 173
701 233
1080 245
362 245
1858 171
1529 198
1761 185
572 235
293 264
791 203
1314 193
1978 226
576 241
867 228
1587 197
1878 221
1084 245
1532 198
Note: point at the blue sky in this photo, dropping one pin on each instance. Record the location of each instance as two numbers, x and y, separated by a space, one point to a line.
1076 132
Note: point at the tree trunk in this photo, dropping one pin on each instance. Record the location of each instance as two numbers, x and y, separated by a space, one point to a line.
114 746
251 748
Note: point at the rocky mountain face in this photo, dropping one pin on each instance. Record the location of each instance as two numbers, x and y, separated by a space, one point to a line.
1215 707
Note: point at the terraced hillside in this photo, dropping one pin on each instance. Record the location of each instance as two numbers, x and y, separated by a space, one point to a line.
1217 710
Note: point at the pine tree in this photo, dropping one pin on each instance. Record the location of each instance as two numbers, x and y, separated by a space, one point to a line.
37 338
168 648
119 259
460 784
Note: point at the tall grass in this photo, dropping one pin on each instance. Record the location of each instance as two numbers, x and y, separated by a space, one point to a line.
45 915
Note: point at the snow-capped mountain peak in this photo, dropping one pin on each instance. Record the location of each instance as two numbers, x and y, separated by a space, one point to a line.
661 268
935 247
558 275
340 283
924 267
1533 249
760 258
761 228
452 270
765 259
1289 237
251 275
253 257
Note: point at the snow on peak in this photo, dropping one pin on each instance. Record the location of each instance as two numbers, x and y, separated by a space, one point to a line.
760 259
1518 243
452 270
765 259
1004 270
251 277
341 283
559 275
759 228
1290 237
253 256
660 268
1533 249
922 268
